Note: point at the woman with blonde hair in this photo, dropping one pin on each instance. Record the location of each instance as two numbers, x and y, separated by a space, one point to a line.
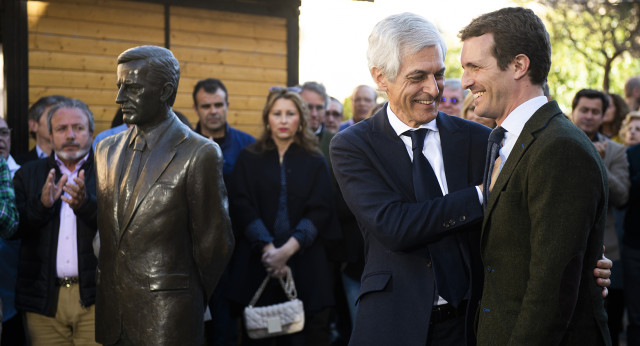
468 112
630 130
281 197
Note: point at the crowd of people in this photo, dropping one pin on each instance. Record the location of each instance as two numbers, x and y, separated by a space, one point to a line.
379 218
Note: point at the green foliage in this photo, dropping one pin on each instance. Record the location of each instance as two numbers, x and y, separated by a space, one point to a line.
453 69
595 44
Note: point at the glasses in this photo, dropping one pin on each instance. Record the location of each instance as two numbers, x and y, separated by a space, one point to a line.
335 114
318 108
5 132
452 100
275 89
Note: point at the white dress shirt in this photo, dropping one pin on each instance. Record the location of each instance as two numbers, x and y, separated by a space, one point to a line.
514 123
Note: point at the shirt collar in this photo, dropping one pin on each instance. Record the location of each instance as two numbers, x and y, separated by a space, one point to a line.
515 121
153 135
40 152
399 127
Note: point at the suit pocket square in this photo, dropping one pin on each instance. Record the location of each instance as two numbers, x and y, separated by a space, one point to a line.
167 282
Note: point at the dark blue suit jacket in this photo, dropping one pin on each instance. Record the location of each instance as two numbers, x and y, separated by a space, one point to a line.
374 172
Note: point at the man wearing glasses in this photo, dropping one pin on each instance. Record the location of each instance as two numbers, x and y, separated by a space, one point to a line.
452 97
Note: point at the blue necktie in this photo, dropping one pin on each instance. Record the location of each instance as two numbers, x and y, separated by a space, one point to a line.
493 150
451 274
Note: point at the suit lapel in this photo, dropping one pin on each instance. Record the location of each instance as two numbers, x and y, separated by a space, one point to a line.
390 148
156 163
117 153
538 121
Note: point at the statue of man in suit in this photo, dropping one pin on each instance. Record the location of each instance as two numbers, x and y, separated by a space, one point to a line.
165 234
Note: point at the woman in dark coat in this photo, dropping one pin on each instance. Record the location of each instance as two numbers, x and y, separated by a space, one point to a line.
281 204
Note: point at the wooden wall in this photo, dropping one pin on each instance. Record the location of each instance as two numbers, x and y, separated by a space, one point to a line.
73 46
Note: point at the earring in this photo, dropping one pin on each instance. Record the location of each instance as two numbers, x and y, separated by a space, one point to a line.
268 127
300 128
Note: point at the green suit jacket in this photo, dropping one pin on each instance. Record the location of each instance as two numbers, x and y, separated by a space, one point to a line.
542 235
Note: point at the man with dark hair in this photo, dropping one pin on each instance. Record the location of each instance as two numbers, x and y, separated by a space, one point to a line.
37 118
545 193
165 234
57 205
211 103
632 93
588 108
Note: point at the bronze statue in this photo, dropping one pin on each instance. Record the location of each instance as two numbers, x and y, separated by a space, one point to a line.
165 234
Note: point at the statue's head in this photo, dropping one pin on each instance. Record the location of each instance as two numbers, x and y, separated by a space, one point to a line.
147 84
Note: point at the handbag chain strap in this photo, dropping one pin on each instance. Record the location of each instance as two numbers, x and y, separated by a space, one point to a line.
288 285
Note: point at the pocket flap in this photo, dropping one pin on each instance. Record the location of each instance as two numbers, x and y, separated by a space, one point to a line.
374 282
165 282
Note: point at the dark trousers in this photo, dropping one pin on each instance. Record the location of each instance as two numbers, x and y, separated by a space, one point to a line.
13 332
222 330
447 333
631 270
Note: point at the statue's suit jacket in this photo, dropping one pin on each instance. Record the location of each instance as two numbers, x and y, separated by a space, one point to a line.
159 267
374 172
542 235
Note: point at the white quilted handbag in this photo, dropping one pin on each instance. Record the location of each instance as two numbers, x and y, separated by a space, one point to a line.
273 320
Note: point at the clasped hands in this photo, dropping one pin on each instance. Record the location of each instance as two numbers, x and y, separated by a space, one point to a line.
275 259
52 191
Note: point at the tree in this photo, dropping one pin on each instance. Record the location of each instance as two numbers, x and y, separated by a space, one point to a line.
601 31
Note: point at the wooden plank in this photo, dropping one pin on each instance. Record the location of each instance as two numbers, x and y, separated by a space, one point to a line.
225 27
72 61
100 31
184 100
221 15
234 87
238 102
215 57
224 72
103 113
88 96
71 79
132 5
97 13
110 48
224 42
244 117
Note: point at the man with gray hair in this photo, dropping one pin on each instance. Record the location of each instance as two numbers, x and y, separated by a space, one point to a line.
315 96
363 99
57 205
452 97
420 233
410 174
165 234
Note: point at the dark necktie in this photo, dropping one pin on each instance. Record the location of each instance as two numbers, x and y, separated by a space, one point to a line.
425 182
450 271
131 176
493 151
